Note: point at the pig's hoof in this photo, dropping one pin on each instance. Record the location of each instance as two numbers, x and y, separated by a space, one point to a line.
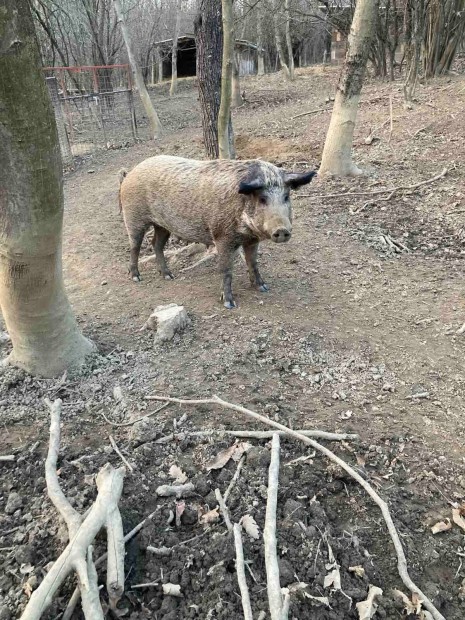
230 305
263 288
136 278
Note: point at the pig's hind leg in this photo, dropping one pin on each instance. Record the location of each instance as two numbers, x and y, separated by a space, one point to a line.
226 251
159 240
136 236
251 254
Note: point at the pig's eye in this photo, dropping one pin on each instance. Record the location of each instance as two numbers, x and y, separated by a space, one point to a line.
262 200
286 198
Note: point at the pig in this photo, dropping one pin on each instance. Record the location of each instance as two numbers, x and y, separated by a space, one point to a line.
226 203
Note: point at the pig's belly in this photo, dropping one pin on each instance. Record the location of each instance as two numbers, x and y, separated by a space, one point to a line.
195 231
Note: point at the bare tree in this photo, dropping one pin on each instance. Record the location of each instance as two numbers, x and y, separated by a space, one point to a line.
236 97
279 44
260 41
290 52
337 152
174 52
46 339
154 121
225 136
209 43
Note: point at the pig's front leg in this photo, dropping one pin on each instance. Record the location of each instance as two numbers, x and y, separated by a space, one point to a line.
226 250
251 254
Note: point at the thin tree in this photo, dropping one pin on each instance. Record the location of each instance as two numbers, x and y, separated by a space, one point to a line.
174 52
224 136
290 52
154 121
260 38
236 97
209 44
337 152
44 333
279 44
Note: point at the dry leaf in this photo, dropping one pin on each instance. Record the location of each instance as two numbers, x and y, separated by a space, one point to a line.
234 452
25 569
358 570
360 460
178 475
27 588
250 526
180 508
172 589
211 516
334 577
457 516
346 415
441 526
367 609
411 606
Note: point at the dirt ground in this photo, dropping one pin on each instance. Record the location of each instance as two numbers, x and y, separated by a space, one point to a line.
357 334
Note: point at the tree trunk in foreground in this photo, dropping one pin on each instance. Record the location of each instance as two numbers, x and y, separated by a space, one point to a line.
45 337
209 43
225 133
337 152
154 121
174 54
290 52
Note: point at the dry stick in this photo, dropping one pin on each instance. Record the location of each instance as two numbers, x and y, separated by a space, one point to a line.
311 112
7 457
401 559
131 422
234 478
81 532
205 259
275 599
240 570
74 600
224 509
119 453
379 191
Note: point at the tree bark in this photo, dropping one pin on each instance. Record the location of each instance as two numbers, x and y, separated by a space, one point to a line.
154 121
290 53
225 136
260 51
45 336
236 98
337 152
279 46
174 54
209 43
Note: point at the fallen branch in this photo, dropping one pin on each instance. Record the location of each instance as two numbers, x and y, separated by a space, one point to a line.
131 422
380 191
205 259
401 559
240 570
74 600
7 457
275 599
234 478
310 112
224 510
119 453
77 555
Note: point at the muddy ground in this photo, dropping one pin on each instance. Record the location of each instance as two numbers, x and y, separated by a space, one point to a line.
357 334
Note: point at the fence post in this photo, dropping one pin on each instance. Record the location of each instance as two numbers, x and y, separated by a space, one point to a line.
63 138
132 115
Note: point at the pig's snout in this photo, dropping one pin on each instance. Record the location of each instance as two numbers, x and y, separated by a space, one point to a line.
281 235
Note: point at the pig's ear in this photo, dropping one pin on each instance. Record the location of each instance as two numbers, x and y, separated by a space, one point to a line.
248 187
295 180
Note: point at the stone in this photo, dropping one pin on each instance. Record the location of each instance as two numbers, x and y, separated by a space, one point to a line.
13 503
167 320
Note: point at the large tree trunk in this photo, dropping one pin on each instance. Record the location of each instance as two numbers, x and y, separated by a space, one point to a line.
337 152
174 54
279 45
225 135
290 52
209 43
46 339
154 121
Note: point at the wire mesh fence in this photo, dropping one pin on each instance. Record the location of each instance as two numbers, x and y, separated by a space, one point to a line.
94 108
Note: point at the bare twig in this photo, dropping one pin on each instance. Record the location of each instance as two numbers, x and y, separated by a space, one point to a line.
401 188
76 555
131 422
401 559
275 599
74 600
119 453
205 259
310 112
224 509
234 478
240 569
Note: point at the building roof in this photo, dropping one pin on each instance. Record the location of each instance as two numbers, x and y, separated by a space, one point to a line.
190 38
